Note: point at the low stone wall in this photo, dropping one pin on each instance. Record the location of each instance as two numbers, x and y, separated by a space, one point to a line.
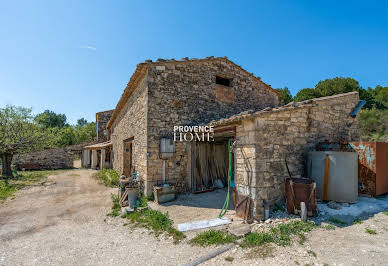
58 158
266 140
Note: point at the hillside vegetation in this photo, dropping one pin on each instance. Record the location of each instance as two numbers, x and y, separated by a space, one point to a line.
373 116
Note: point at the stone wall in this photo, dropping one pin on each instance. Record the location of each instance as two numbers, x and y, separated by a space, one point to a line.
132 122
268 138
186 93
58 158
102 119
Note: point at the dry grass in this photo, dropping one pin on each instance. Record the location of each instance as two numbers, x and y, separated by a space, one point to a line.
262 252
212 237
9 186
370 231
281 235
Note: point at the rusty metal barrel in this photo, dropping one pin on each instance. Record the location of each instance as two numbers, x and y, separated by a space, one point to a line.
301 190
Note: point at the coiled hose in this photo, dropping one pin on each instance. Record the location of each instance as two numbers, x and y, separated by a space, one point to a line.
226 204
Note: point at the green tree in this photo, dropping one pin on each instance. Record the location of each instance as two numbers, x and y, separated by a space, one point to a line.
70 135
373 117
86 133
337 85
64 136
82 122
381 96
306 94
49 119
374 124
285 96
18 133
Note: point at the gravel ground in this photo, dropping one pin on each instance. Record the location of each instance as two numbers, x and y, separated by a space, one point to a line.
65 223
349 245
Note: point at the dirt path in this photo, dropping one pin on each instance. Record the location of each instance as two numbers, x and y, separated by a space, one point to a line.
349 245
65 223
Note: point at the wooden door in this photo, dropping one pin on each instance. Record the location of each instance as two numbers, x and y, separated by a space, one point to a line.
127 158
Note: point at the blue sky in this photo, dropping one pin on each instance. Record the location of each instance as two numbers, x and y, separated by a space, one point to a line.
75 57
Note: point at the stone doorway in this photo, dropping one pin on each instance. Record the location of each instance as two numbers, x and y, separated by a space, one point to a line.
127 157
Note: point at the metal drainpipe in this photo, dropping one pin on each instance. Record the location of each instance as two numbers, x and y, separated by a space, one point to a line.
164 172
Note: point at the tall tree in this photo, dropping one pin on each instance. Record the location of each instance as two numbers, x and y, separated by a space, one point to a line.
82 122
285 96
337 85
50 119
306 94
18 133
381 96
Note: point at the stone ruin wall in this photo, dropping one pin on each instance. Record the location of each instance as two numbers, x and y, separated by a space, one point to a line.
102 119
58 158
265 141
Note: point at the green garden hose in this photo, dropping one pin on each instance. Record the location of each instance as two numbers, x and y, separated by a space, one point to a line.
226 204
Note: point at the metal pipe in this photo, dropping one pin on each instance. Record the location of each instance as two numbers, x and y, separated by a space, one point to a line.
164 172
358 108
210 255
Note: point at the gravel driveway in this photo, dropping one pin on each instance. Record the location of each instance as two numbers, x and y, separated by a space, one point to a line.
65 223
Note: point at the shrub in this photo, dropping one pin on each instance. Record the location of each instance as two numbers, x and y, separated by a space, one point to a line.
116 208
329 227
108 177
157 221
212 237
257 239
370 231
280 235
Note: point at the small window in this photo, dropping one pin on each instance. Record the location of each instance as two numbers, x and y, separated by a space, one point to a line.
223 81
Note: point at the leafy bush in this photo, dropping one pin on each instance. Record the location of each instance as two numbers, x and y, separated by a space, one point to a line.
116 208
257 239
212 237
109 177
280 235
374 125
142 201
329 227
157 221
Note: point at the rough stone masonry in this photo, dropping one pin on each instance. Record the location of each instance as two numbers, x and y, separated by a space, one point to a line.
168 93
266 138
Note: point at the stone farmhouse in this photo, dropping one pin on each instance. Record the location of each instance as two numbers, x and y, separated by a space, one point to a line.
217 92
99 155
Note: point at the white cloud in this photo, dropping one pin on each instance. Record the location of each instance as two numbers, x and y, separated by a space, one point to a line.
89 47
